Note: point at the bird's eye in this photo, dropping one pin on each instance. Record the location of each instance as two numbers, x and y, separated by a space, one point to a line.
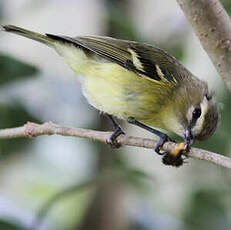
196 113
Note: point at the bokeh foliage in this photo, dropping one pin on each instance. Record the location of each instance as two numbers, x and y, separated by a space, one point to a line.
205 208
14 113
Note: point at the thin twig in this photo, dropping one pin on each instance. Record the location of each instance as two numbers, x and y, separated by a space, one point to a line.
212 25
30 130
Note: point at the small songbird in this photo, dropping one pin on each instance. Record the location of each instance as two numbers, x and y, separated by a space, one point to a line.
139 83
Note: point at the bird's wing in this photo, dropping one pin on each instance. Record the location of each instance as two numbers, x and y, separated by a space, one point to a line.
145 60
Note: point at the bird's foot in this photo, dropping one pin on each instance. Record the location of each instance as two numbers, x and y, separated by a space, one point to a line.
112 140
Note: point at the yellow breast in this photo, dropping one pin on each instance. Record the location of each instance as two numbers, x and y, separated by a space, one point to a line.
122 93
117 91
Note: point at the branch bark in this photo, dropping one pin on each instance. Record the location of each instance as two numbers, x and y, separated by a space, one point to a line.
30 130
212 25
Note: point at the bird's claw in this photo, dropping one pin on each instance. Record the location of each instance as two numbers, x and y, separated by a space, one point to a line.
163 139
112 139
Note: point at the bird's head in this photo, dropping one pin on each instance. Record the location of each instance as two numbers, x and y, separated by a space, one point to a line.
199 114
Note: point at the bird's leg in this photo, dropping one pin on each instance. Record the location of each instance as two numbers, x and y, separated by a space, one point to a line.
163 137
117 131
168 158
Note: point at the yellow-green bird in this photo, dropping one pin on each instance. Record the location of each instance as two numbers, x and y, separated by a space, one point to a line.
139 83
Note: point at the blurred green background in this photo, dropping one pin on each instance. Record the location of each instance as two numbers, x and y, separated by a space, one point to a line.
65 183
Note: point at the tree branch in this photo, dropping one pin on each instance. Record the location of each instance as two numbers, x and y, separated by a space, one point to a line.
212 25
30 130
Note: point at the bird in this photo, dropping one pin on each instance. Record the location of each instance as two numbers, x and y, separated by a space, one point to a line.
139 83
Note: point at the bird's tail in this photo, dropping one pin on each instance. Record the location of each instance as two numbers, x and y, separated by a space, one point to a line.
29 34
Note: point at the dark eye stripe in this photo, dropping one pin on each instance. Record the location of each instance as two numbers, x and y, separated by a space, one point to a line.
208 97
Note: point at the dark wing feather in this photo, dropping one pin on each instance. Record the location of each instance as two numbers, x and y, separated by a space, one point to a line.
145 60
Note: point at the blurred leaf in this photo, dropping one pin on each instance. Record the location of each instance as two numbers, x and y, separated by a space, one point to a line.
48 205
13 115
137 178
121 27
207 211
119 23
5 225
12 69
1 8
227 6
178 51
226 114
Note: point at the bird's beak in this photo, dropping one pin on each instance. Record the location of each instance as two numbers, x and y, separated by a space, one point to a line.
189 137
